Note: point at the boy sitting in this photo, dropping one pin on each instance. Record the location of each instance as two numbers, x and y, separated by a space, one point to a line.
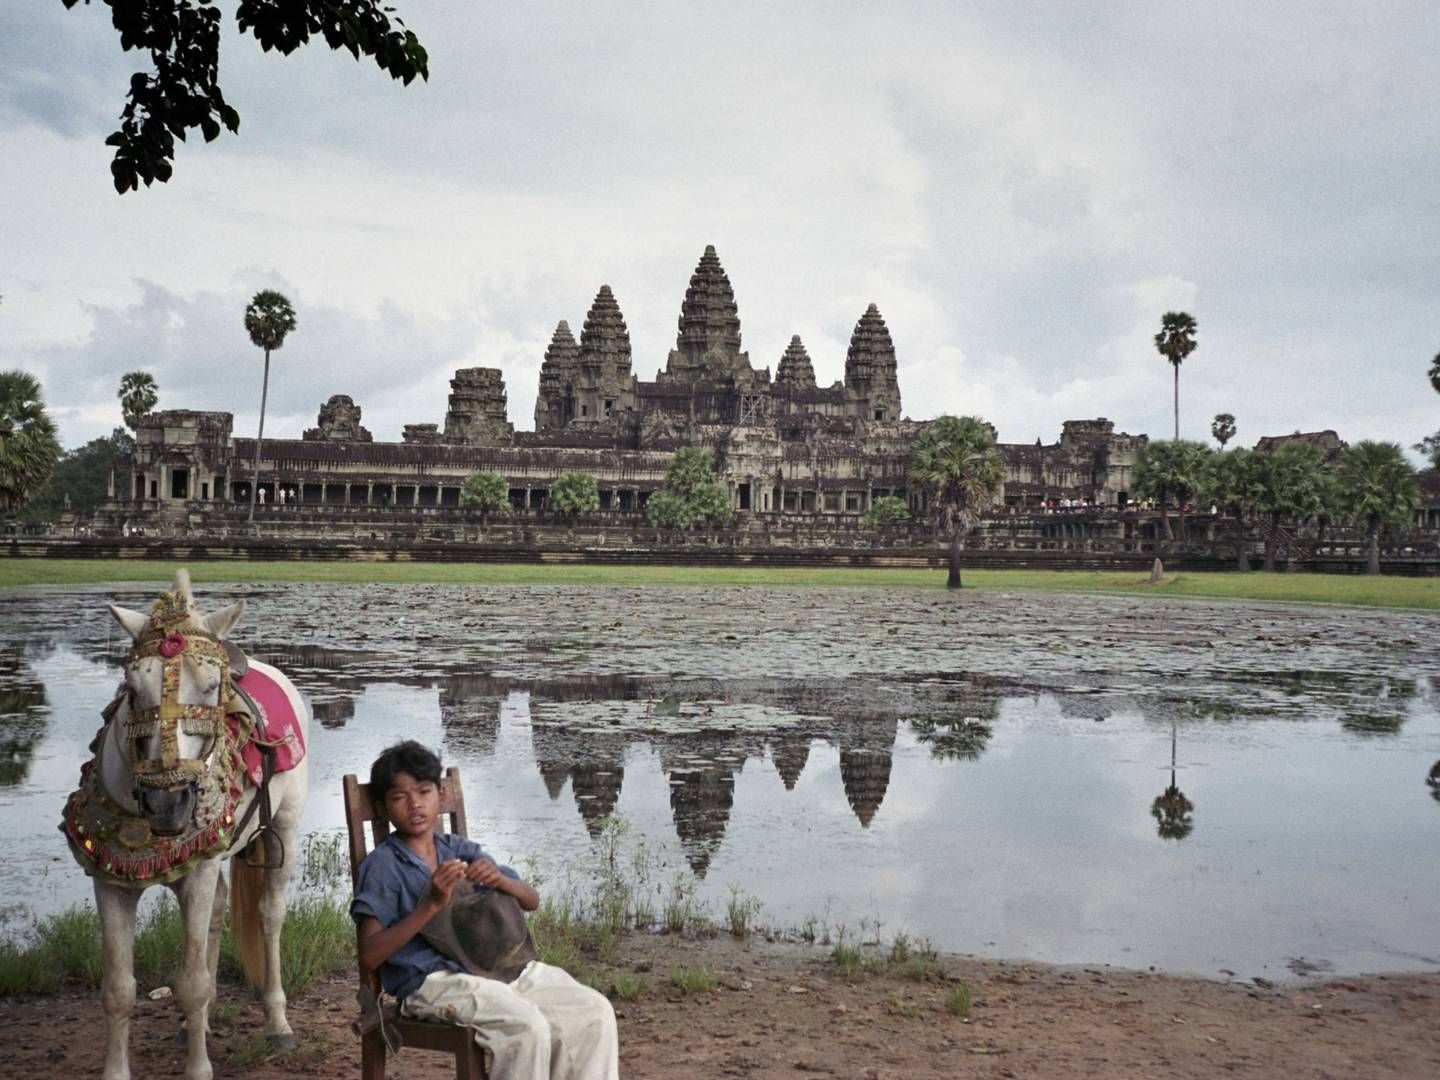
542 1025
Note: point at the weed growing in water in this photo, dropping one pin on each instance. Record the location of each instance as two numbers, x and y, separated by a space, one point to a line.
693 980
325 862
741 910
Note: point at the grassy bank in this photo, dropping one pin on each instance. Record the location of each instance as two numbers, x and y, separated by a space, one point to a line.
1385 592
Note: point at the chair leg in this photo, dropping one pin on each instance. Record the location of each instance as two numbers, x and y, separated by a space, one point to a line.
372 1056
470 1065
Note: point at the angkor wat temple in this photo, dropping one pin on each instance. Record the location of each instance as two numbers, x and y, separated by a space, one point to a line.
783 444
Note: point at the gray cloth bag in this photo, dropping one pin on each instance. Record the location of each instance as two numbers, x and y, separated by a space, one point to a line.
484 931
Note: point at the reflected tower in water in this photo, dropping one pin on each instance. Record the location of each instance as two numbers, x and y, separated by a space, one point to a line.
790 756
23 719
866 756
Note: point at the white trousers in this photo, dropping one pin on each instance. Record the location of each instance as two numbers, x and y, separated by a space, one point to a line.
542 1026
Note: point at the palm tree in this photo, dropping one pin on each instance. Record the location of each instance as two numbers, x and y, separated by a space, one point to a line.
28 444
268 319
1235 487
1289 487
1376 486
1223 428
1176 341
955 463
138 395
1172 469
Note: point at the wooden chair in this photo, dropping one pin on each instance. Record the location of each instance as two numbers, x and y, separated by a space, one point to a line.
416 1034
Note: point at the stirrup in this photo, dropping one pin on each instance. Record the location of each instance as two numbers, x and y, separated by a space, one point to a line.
264 862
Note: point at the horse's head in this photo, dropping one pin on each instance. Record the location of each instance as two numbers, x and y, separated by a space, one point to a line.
177 691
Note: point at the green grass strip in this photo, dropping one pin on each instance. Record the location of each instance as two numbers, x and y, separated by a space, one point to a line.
1384 591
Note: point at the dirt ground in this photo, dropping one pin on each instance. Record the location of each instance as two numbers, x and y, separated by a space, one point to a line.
782 1011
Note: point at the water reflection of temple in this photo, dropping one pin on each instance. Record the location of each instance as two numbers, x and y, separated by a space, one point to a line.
865 760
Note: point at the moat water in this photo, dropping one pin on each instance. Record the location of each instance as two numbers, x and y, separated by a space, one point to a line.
980 769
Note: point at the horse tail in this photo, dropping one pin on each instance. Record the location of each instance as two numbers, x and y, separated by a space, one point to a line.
246 885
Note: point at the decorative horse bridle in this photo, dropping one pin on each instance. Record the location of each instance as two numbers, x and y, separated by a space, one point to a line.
171 635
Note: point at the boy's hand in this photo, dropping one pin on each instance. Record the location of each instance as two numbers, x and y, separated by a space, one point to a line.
484 872
442 883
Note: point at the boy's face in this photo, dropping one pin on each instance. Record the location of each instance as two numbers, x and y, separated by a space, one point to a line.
413 806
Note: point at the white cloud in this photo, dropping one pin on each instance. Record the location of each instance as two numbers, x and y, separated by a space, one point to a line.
1022 196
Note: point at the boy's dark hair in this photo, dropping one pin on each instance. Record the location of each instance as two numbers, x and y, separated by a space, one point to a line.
408 757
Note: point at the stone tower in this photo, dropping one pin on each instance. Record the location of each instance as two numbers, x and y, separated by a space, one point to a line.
559 372
476 416
339 422
870 379
604 384
708 345
795 371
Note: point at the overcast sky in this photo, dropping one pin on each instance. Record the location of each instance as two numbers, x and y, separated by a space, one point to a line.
1022 189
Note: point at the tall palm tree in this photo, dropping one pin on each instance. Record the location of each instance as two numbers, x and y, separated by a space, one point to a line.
269 317
1376 486
1176 341
28 444
1223 428
138 395
1171 470
955 463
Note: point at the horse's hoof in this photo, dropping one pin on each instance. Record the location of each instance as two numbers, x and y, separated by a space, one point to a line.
281 1042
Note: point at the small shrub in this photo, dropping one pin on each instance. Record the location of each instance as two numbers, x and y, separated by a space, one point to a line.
693 980
905 1008
628 987
159 944
957 1002
847 959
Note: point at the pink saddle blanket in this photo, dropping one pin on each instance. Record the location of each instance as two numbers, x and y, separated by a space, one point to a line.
276 723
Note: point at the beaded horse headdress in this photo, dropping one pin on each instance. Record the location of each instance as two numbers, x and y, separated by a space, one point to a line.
171 635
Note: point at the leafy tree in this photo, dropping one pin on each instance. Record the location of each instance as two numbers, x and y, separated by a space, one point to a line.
1172 471
1435 373
955 462
886 510
269 318
1376 486
82 475
1176 341
575 493
486 491
1430 447
1289 488
690 493
1235 487
28 444
1223 428
138 395
182 92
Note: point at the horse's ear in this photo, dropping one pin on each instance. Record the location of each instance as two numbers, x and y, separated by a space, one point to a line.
221 622
181 587
133 622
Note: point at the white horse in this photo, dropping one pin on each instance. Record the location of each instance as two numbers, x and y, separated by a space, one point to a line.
168 802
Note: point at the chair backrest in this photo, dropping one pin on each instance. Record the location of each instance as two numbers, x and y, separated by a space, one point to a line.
360 810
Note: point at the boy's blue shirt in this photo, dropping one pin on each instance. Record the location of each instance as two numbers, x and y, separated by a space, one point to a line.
391 881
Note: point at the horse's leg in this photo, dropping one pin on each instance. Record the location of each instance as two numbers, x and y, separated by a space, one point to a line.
272 919
196 891
117 983
217 930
